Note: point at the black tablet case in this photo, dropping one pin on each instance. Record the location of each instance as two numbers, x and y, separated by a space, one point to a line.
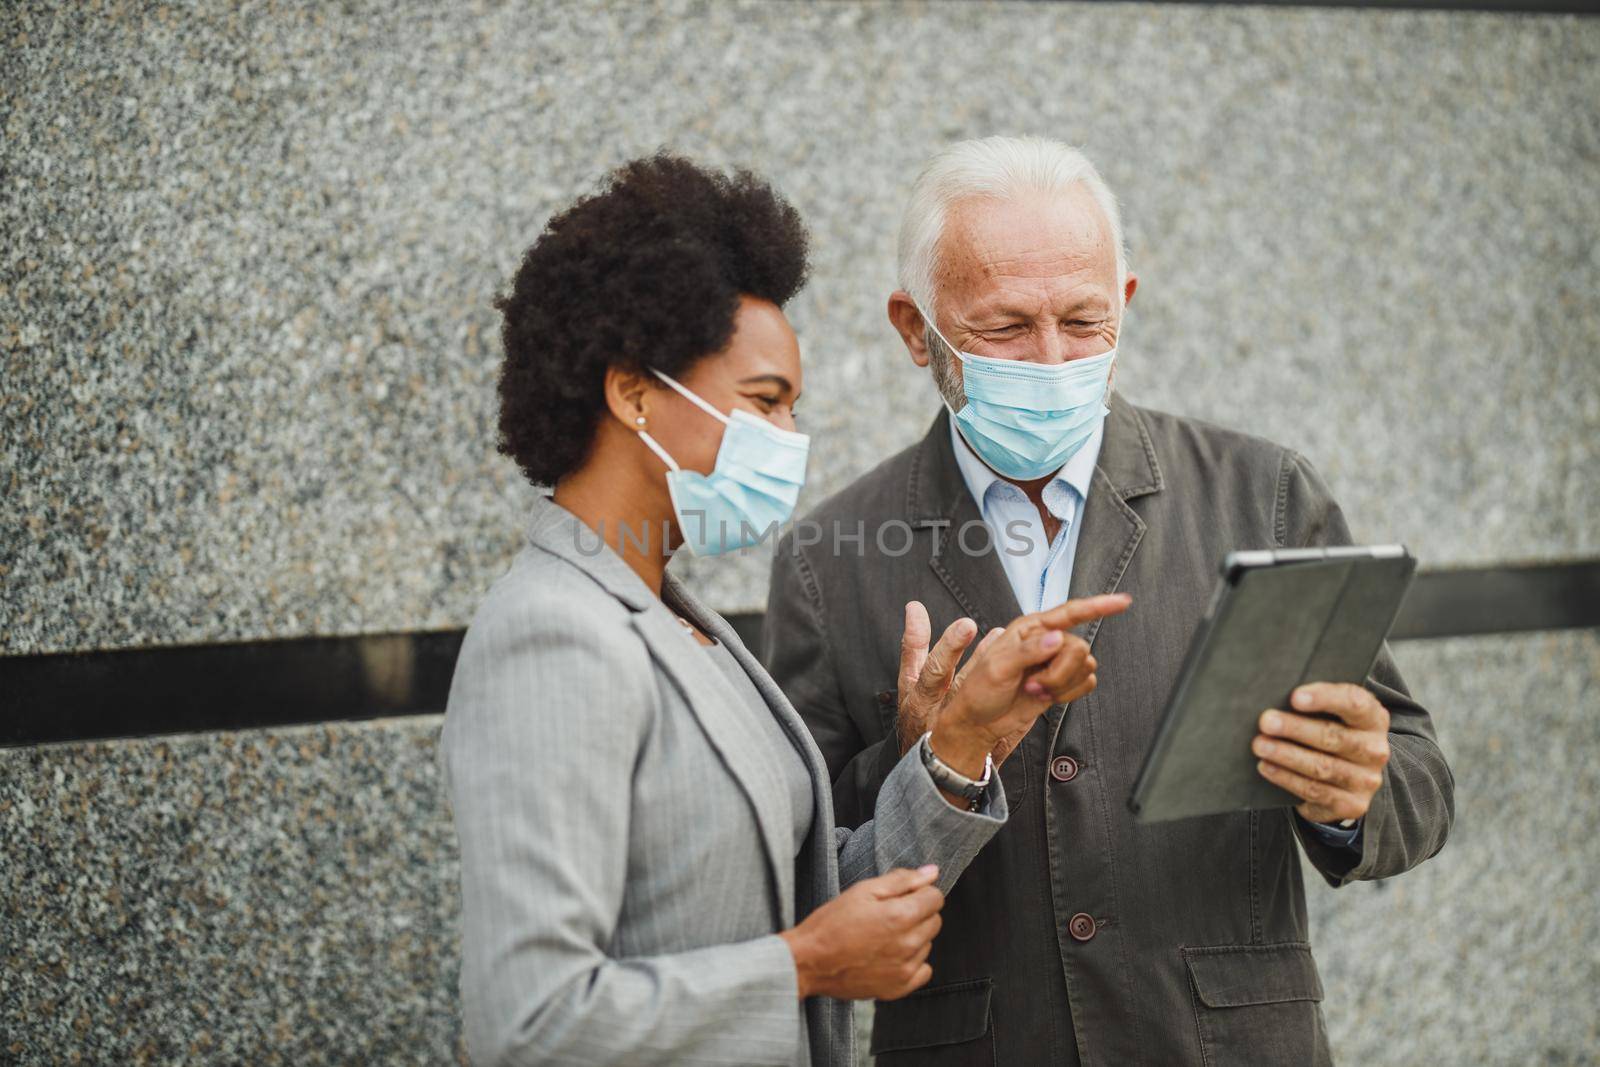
1278 619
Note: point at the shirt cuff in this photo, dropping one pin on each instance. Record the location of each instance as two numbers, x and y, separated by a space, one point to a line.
1334 834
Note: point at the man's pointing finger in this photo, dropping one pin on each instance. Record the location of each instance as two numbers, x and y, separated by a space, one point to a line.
1084 609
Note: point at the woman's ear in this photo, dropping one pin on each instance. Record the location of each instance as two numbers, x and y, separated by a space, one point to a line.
628 395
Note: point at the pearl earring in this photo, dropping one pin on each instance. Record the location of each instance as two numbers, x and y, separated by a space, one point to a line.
638 420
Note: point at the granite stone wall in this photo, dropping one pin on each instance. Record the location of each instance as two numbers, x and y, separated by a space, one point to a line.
246 370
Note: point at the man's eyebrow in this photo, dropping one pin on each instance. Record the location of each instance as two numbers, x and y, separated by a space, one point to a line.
1086 302
777 379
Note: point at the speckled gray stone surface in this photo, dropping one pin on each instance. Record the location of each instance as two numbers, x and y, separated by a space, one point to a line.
244 289
289 896
246 372
1490 952
282 897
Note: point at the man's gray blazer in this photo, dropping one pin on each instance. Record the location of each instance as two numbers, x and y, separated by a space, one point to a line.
1079 935
627 841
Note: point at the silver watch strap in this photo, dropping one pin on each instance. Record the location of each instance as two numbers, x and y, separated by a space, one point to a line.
951 780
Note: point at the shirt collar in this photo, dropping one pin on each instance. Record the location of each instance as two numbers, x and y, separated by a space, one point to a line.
1075 474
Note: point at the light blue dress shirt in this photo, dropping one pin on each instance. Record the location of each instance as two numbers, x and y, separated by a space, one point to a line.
1039 568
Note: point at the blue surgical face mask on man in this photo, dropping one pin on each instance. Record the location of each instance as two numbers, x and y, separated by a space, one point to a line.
752 487
1027 419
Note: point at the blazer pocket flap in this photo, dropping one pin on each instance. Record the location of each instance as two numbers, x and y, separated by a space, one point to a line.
938 1015
1234 976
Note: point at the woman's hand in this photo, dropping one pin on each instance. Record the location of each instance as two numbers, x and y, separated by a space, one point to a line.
1013 676
871 941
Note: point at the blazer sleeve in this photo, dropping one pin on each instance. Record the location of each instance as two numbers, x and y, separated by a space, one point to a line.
549 711
1413 810
795 650
914 824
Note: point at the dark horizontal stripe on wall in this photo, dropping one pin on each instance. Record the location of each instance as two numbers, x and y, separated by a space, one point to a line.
1461 601
132 692
84 696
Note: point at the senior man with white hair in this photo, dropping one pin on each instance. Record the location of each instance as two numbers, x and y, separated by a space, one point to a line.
1080 935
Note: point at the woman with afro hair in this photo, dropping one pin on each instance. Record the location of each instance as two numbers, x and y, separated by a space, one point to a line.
650 873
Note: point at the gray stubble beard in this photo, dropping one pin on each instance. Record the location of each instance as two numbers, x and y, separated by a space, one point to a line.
942 362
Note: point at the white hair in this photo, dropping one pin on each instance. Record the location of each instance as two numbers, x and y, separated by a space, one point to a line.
1001 167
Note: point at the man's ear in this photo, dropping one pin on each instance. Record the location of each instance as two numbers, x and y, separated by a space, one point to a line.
628 396
908 323
1128 288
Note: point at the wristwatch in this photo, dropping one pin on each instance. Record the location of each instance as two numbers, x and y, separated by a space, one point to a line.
951 780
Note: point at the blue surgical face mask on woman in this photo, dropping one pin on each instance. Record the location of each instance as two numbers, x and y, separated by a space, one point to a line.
752 487
1026 419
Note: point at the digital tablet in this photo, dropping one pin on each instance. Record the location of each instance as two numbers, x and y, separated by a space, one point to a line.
1277 619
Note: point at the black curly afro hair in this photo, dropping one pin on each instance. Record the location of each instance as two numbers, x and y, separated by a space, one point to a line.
647 272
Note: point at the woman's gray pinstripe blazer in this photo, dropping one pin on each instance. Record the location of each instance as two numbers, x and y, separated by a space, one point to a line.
626 839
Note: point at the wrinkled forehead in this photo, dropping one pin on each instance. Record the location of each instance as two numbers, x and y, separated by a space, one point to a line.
1033 240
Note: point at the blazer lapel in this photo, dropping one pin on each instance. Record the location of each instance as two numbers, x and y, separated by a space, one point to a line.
939 498
821 787
1111 529
729 724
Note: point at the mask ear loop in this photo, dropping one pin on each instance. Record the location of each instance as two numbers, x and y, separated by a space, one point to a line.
928 319
688 395
961 359
660 452
649 441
